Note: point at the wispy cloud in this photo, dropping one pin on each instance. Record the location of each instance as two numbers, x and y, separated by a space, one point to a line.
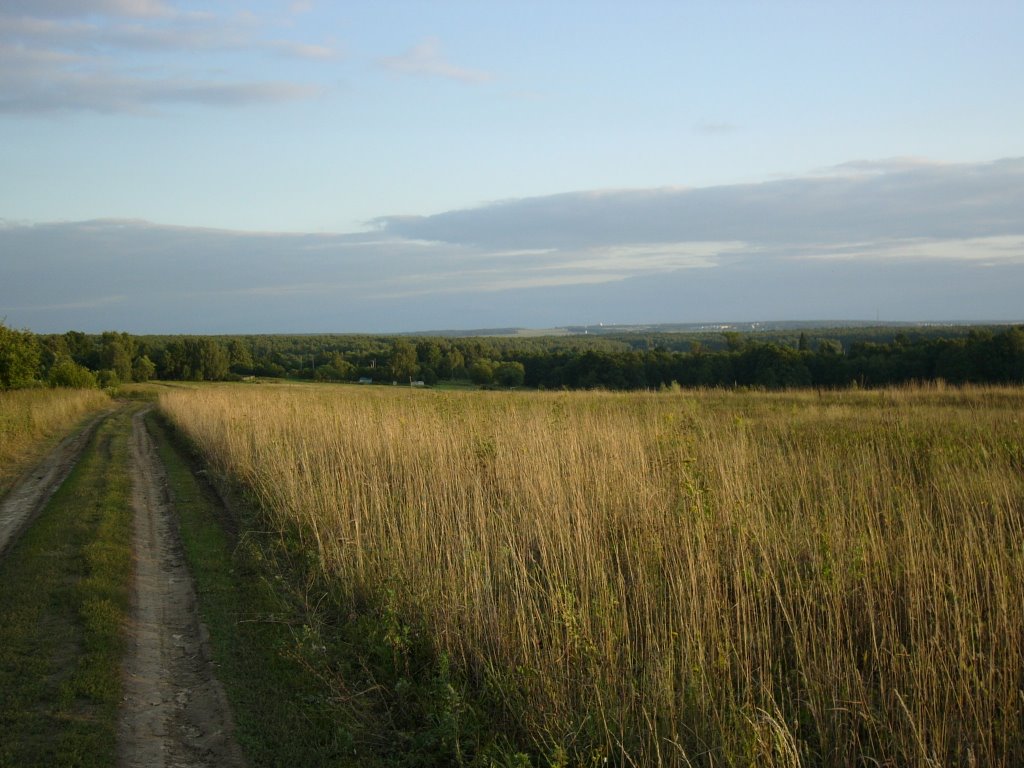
304 50
712 128
982 250
107 92
426 59
135 8
101 301
112 57
886 165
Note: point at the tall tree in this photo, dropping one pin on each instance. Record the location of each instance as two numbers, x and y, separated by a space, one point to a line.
403 364
143 368
210 361
239 356
19 358
67 373
510 374
117 352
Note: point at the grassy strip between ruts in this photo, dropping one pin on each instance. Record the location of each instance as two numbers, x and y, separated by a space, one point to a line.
308 686
64 600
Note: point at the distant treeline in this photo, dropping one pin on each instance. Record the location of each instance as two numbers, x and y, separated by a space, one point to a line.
817 358
979 357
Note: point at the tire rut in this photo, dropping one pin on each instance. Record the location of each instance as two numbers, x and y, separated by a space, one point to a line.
30 495
175 712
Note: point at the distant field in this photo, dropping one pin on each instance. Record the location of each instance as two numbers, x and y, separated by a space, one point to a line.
29 418
677 578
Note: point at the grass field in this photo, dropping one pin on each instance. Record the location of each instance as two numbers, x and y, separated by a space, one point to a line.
710 578
64 595
30 419
259 631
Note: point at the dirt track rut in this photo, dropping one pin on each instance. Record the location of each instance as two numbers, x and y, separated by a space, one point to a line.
30 495
175 713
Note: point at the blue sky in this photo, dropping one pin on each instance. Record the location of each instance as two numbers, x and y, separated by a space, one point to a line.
314 166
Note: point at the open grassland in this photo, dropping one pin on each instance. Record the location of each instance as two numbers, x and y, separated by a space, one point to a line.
29 418
709 578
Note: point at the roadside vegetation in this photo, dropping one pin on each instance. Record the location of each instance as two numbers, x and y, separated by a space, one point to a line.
263 632
31 420
678 578
64 601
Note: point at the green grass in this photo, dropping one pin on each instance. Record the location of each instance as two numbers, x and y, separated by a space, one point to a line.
64 600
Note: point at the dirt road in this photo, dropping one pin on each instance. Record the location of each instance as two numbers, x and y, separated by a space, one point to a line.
30 495
175 711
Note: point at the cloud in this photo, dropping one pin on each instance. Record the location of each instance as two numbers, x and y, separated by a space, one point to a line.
714 129
135 8
426 59
136 56
303 50
927 242
50 89
929 201
887 165
985 250
101 301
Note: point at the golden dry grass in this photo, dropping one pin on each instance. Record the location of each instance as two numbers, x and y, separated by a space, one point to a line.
679 578
31 418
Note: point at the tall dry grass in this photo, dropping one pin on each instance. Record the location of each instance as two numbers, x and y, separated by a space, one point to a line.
678 578
29 418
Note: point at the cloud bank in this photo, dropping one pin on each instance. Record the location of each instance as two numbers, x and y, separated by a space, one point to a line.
861 204
898 240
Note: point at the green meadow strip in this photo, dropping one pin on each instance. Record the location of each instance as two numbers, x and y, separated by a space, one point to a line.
64 601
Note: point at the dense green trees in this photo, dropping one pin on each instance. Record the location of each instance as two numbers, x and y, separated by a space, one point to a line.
67 373
404 365
239 356
481 371
19 358
510 374
981 356
143 369
771 360
117 351
194 359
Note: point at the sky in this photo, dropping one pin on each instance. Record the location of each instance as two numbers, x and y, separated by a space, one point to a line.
291 167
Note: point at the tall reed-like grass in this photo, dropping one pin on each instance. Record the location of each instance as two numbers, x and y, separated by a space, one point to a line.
29 416
679 578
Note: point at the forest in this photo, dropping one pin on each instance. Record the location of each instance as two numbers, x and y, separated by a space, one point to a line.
821 358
